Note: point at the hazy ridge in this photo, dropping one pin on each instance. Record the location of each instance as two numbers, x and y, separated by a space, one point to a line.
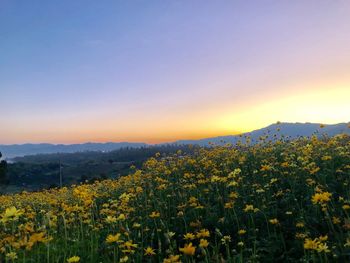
285 129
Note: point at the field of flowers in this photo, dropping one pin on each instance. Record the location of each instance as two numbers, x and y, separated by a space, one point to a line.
272 202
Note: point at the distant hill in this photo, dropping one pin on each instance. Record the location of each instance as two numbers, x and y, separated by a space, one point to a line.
276 131
16 150
287 130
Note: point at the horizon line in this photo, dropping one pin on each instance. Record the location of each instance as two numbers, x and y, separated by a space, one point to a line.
168 141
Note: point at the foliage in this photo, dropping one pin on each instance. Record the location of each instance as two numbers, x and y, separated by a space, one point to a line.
36 172
280 202
3 170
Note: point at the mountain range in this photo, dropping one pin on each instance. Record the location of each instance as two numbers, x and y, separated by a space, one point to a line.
17 150
274 131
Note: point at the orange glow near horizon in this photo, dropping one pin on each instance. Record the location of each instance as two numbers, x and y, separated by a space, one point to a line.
150 135
170 72
326 105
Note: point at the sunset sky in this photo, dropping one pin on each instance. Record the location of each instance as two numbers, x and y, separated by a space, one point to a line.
155 71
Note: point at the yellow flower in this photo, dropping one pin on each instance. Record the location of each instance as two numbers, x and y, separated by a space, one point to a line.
172 259
322 247
195 224
73 259
37 238
326 158
188 249
248 208
11 256
240 244
242 232
346 207
215 179
310 244
265 168
233 195
124 259
274 221
233 183
128 247
273 180
11 213
323 238
113 238
136 225
189 236
314 170
317 244
121 217
321 198
228 205
310 181
154 214
203 243
149 251
203 233
300 225
111 219
285 164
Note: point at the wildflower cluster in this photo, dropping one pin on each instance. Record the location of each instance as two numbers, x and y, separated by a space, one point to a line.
243 203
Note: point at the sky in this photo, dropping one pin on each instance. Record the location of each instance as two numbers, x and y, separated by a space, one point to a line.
156 71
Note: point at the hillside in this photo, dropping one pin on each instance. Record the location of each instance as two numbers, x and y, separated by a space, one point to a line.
280 202
277 131
280 130
43 171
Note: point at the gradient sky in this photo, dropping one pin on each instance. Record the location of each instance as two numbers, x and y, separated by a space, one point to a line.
76 71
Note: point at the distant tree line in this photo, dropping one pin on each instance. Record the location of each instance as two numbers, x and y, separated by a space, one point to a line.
127 154
40 171
3 169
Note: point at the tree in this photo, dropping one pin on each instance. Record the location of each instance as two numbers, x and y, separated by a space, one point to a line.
3 169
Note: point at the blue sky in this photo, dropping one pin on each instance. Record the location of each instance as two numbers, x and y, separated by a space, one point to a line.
74 71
